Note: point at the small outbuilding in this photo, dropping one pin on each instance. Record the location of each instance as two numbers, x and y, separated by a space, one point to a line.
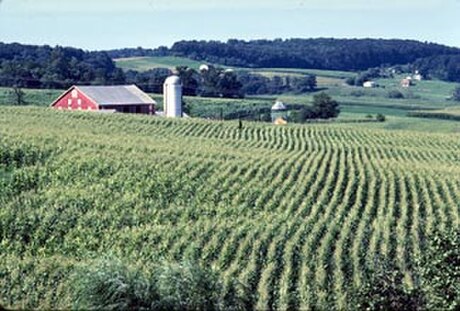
369 84
280 121
406 83
279 111
121 98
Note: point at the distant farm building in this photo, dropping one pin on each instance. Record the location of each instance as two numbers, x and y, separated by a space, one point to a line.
279 111
369 84
406 83
280 121
125 99
418 76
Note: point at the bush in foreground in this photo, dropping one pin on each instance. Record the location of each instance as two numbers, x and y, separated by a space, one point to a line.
437 276
440 271
111 285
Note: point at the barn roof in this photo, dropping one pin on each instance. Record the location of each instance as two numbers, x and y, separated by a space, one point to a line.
116 95
279 106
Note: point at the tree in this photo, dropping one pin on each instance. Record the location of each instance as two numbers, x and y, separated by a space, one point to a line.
229 86
456 95
17 96
325 107
303 84
395 94
380 117
189 78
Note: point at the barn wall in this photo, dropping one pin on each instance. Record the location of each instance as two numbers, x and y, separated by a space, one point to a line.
139 109
75 100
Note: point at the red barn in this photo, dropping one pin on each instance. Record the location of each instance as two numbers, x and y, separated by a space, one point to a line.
124 98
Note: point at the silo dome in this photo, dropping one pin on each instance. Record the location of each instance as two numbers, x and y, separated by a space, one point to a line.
172 80
204 67
279 106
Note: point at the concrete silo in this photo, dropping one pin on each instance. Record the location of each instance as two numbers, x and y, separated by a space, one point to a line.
172 94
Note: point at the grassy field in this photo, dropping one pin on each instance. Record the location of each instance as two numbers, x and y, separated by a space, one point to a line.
293 71
296 213
146 63
325 78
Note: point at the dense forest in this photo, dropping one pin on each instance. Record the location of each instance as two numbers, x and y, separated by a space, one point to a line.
331 54
55 67
26 66
433 60
443 67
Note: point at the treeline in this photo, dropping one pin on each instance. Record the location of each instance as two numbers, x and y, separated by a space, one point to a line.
331 54
55 67
27 66
219 82
443 67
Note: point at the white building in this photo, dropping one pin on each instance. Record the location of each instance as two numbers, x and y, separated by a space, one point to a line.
172 97
369 84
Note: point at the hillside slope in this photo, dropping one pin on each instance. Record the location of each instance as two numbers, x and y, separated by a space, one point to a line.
321 53
297 213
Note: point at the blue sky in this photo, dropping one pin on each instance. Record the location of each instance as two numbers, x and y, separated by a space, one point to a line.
104 24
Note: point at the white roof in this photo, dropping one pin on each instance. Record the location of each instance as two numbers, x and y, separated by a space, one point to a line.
279 106
116 95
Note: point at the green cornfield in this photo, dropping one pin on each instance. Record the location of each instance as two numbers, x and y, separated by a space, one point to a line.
298 214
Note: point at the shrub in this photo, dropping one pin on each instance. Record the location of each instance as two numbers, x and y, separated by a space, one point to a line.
437 276
395 94
456 94
440 271
357 93
384 291
380 117
111 285
325 107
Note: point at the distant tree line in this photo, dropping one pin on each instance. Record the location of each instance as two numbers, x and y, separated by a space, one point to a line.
443 67
26 66
55 67
256 84
432 60
332 54
220 82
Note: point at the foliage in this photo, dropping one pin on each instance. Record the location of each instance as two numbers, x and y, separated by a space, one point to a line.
444 67
337 54
304 114
256 84
54 67
17 96
444 114
111 285
440 271
437 270
380 117
189 79
456 95
385 290
367 75
325 107
150 80
395 94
